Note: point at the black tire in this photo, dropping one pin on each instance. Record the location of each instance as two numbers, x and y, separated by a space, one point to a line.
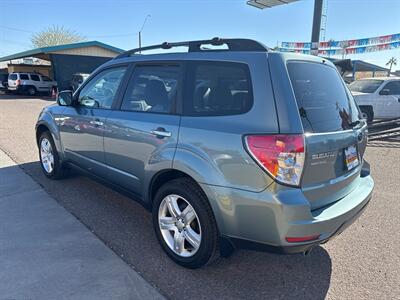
58 171
31 91
368 112
192 193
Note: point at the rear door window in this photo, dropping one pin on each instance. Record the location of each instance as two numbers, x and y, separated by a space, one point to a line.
24 76
45 78
323 102
217 89
35 77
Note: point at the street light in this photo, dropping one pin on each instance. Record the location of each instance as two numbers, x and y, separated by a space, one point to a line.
140 31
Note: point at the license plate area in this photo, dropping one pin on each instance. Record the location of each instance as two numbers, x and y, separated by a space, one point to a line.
351 157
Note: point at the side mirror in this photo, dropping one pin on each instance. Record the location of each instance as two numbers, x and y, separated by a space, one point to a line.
64 98
384 92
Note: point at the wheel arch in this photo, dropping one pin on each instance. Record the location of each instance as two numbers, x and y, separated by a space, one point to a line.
49 125
166 175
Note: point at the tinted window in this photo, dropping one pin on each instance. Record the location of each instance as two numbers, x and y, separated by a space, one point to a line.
45 78
101 90
393 87
13 76
323 102
24 76
35 77
152 89
365 86
218 88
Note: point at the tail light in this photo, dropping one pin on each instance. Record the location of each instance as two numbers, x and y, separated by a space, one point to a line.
17 82
282 156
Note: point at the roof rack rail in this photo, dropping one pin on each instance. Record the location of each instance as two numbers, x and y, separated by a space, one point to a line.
195 46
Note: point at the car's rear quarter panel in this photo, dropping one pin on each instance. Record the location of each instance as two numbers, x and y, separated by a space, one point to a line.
211 149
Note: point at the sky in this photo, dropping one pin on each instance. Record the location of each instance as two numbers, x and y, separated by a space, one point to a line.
117 22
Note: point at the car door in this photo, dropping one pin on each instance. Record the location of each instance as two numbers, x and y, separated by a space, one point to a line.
389 99
36 81
47 82
141 137
82 125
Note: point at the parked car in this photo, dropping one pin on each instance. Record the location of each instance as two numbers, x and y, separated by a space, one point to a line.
378 98
30 83
77 80
3 81
242 147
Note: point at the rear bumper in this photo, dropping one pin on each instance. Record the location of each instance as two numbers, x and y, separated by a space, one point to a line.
263 220
298 248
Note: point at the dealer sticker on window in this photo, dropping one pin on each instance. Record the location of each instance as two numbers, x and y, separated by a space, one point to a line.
351 157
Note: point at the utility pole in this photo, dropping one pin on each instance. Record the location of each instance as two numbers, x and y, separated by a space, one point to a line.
140 32
316 28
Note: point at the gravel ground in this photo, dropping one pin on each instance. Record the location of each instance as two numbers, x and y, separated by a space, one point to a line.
361 263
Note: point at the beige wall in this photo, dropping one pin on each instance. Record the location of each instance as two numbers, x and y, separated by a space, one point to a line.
89 51
360 75
45 70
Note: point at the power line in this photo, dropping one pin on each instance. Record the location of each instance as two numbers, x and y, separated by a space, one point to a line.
16 29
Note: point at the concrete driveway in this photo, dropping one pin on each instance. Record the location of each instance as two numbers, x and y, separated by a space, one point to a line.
362 263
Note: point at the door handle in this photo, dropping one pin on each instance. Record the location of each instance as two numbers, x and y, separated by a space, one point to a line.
97 123
160 132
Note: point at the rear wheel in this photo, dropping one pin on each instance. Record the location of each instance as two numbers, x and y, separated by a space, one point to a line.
49 158
184 223
31 91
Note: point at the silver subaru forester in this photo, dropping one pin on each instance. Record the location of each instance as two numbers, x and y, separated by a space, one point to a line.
232 146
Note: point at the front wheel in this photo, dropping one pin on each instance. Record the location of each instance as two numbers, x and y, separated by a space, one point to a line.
184 223
49 159
367 114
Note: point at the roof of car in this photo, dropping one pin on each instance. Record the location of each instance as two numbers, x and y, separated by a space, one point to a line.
381 78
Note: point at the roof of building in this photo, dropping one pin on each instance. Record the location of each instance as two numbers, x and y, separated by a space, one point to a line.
362 66
38 52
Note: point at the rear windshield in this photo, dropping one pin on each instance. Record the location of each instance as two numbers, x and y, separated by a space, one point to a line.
323 101
13 76
365 86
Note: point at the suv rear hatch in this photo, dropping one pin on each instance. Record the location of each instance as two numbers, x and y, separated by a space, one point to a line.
335 137
12 80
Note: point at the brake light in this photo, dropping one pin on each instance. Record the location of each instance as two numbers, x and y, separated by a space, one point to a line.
17 82
282 156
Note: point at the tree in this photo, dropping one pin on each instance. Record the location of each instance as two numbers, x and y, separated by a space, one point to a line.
55 35
392 62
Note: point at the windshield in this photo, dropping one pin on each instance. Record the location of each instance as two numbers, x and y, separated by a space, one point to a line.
365 86
322 98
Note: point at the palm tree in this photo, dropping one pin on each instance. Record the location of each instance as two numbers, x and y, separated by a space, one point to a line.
392 62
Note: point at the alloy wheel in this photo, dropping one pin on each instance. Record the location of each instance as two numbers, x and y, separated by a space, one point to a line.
179 225
46 155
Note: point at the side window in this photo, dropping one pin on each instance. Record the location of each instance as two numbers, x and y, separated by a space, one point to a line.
152 89
392 87
45 78
34 77
101 90
218 88
23 76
